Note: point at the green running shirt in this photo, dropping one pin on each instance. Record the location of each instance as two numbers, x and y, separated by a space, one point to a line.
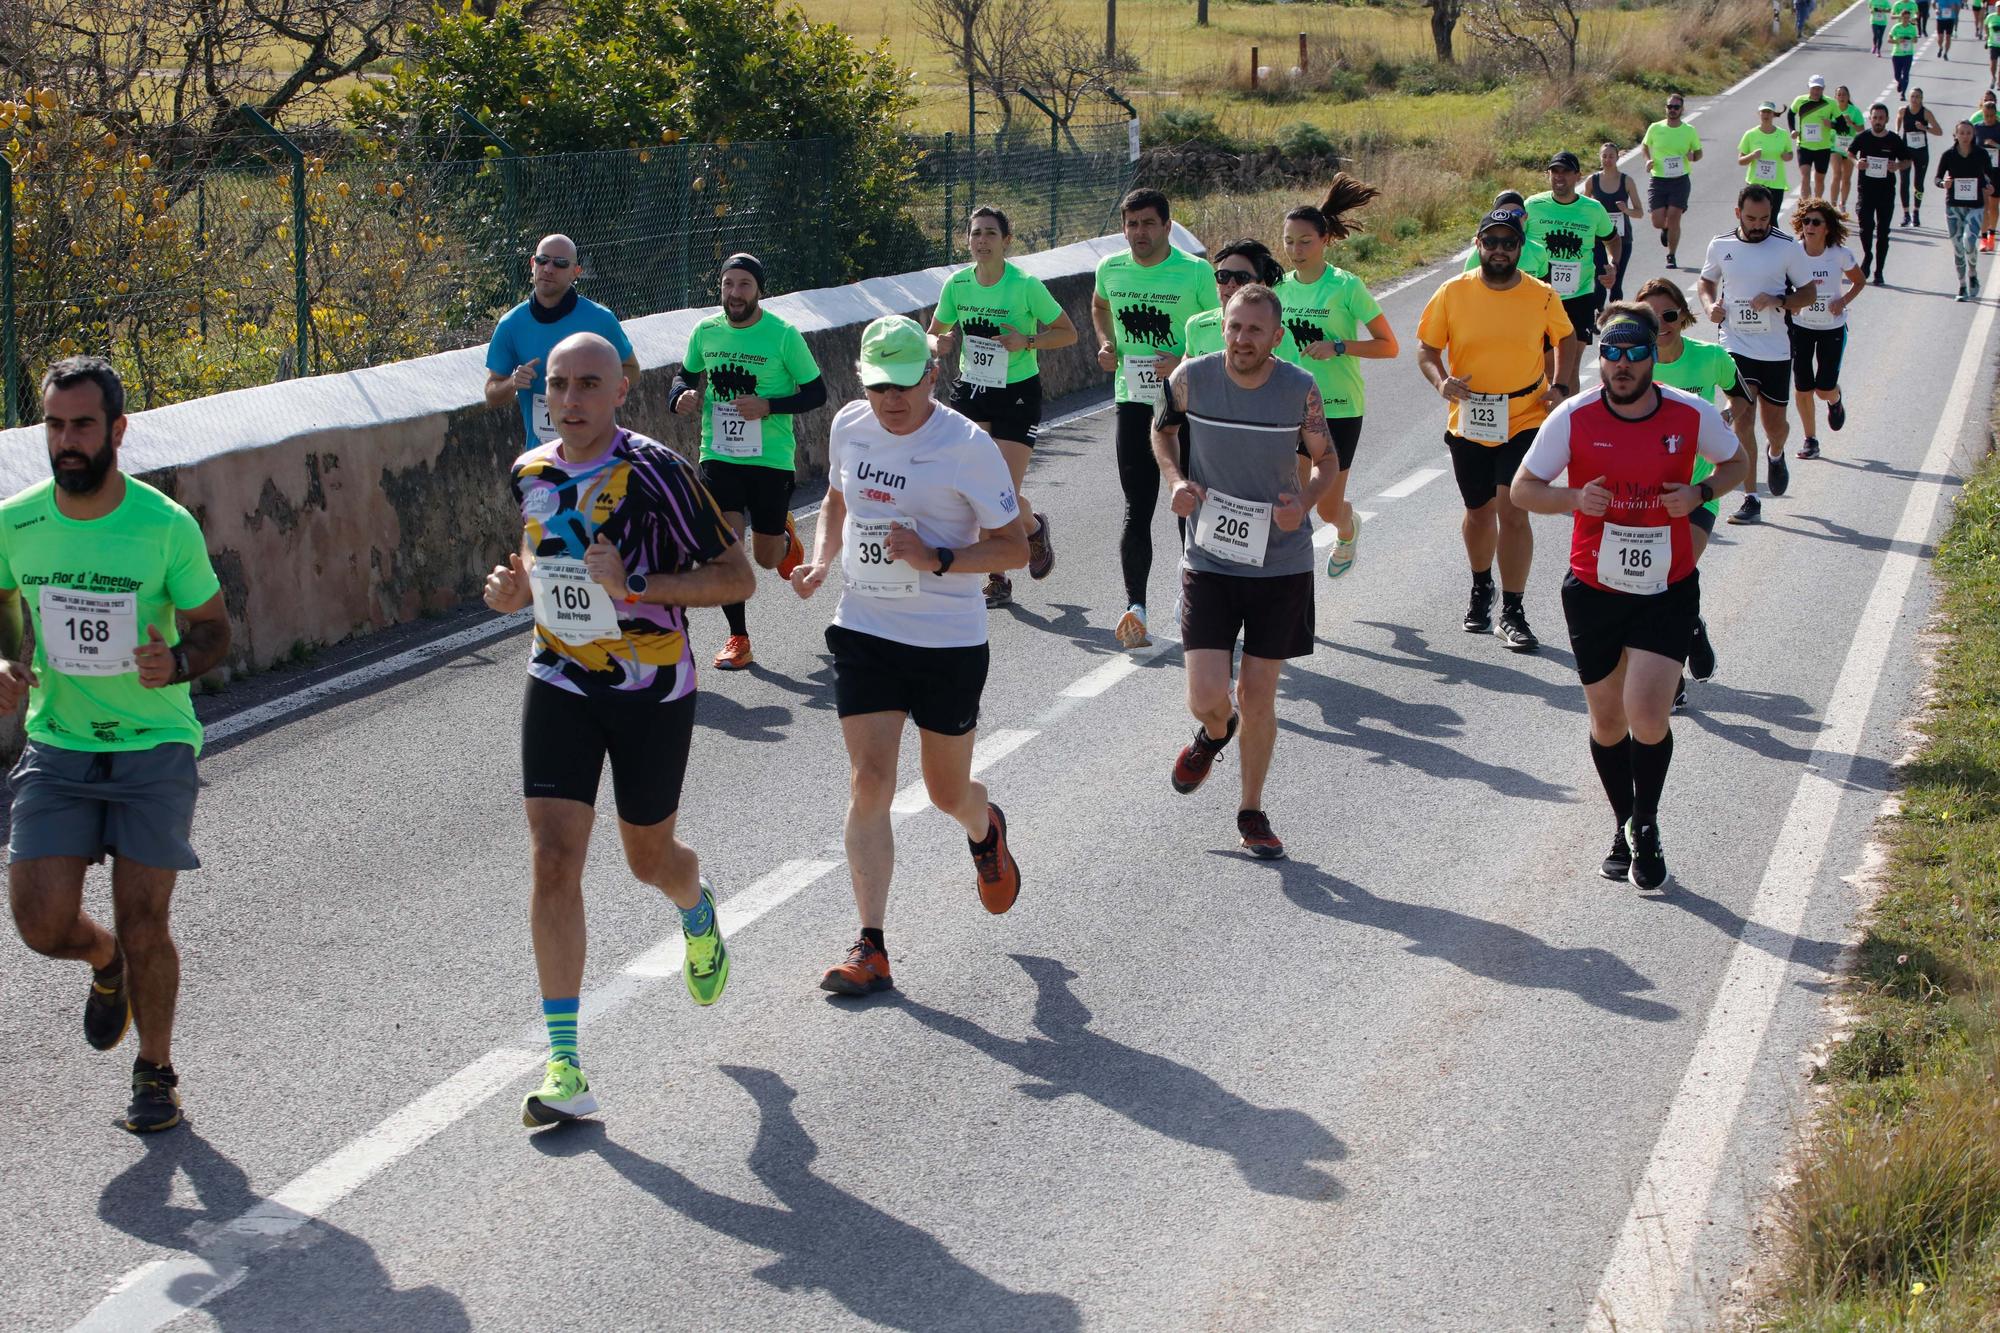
1666 142
1017 301
1568 232
769 359
1150 304
1770 148
1703 369
1339 305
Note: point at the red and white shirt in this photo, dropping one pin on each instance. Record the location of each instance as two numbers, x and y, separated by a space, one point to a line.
1635 546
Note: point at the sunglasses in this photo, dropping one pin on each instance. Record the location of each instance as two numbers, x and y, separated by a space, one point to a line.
1812 222
1670 316
1642 352
1673 106
1500 242
550 261
1230 277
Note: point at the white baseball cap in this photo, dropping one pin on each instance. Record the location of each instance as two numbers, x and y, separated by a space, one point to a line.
1816 81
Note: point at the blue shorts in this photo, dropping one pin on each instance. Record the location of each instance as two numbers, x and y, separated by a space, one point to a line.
136 805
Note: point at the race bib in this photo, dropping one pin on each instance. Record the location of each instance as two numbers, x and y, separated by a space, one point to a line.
1814 133
1764 171
1142 380
1235 530
1483 417
1749 319
871 570
733 435
1876 167
89 633
1674 165
1816 315
1916 138
1566 276
1635 560
538 412
984 363
1965 189
570 604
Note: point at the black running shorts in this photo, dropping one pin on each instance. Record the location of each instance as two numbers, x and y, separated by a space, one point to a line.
1013 414
1816 357
1274 615
1815 159
1483 469
1346 433
938 687
1602 625
1772 380
565 739
1668 191
1582 312
762 493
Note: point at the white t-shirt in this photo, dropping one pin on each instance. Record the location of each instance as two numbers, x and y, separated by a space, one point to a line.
950 480
1830 270
1772 267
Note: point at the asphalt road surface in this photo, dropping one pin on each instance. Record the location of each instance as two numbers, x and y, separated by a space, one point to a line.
1432 1072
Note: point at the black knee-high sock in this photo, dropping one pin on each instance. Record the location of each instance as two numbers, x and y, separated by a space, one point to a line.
1649 777
739 623
1614 770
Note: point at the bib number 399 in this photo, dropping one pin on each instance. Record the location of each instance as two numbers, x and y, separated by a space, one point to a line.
89 634
871 570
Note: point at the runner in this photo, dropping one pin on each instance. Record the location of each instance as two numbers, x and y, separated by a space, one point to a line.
1003 318
1847 123
1917 125
1881 156
1534 255
1751 276
105 563
1709 373
1139 312
618 539
1810 118
1670 145
749 374
1966 178
1246 566
1326 310
1924 17
919 504
1903 39
1985 124
1991 27
1764 151
1632 596
1947 26
522 339
1621 203
1819 331
1236 265
1878 23
1485 343
1568 224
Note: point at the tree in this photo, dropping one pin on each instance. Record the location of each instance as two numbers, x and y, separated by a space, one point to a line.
1069 65
1444 18
988 42
1538 35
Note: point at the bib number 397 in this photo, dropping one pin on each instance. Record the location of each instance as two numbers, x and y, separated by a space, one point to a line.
570 604
1235 530
871 570
1635 560
89 634
985 363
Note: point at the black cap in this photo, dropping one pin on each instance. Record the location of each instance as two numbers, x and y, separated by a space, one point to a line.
1566 160
749 264
1502 217
1509 199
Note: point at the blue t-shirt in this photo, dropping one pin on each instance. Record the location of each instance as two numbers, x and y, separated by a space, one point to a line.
525 334
1947 10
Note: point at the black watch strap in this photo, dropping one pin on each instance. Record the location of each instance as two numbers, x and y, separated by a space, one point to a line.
945 556
1707 492
180 654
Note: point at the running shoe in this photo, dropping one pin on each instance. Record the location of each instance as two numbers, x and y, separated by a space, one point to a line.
564 1095
1041 551
1341 558
155 1103
735 654
705 961
107 1010
1649 864
1681 695
1131 629
1673 261
1986 244
1253 827
1198 757
1701 653
1836 413
1514 632
1750 511
1618 861
1906 217
1479 611
1780 472
999 875
1962 296
999 590
1810 449
795 550
864 971
1916 217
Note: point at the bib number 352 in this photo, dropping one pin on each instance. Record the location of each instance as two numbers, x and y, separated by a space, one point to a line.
89 634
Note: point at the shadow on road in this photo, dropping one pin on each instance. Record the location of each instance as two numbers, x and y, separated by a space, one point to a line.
1274 1148
1486 667
1708 702
1473 944
1822 956
326 1279
718 712
882 1269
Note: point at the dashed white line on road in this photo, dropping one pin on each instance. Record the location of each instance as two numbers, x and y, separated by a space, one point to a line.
1411 484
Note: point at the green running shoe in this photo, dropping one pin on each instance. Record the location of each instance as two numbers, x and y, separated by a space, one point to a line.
705 966
564 1095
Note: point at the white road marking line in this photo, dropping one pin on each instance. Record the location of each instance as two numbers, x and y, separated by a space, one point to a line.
1648 1270
986 752
1411 484
1326 534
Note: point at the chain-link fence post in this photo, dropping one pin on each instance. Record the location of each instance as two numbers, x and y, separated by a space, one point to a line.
301 357
510 165
1055 166
948 211
8 357
1131 124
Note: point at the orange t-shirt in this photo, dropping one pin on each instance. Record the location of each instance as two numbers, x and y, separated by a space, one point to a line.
1494 340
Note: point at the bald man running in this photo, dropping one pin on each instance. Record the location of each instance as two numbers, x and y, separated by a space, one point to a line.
618 539
516 357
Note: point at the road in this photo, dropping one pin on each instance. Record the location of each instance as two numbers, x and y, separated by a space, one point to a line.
1429 1073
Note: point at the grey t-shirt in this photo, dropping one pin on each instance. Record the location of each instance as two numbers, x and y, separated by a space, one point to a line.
1243 443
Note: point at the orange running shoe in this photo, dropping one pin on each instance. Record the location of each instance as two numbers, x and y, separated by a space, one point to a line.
864 971
795 550
999 876
735 654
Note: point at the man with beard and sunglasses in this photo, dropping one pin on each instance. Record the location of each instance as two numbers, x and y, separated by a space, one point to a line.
1632 597
107 567
519 349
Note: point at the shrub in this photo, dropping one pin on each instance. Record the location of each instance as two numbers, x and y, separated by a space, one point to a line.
1302 138
1191 125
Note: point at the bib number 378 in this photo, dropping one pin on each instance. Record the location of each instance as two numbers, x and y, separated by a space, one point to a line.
89 634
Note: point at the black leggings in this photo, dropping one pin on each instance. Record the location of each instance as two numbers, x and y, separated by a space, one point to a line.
1139 479
1913 179
1875 208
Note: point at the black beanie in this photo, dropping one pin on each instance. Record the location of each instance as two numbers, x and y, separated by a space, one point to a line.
749 264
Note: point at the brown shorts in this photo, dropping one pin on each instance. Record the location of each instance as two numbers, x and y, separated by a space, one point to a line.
1273 614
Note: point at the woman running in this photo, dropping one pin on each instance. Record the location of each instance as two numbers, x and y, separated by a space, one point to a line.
1326 308
1847 122
1002 317
1917 125
1819 332
1610 186
1986 133
1967 181
1237 264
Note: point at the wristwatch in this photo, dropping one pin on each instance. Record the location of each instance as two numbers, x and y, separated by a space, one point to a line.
1031 341
1564 387
181 673
635 588
1707 492
1339 346
945 555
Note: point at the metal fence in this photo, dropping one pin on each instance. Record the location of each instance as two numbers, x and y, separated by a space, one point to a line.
271 257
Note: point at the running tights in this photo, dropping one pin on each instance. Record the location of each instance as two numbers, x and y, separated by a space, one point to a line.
1139 479
1912 181
1875 207
1963 224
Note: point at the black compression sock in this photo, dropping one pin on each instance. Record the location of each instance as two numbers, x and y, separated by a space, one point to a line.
873 935
1649 777
739 621
1482 578
1614 770
1511 601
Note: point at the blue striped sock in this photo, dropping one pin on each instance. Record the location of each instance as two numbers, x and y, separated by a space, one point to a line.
699 919
560 1015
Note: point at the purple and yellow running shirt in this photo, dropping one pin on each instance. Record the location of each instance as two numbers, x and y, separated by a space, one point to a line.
649 504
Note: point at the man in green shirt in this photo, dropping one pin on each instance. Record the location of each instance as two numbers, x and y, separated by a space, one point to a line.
1903 38
1568 225
106 564
1139 311
1991 26
1534 255
749 374
1763 153
1670 145
1812 118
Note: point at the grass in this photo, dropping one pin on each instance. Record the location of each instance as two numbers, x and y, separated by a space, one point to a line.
1894 1222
